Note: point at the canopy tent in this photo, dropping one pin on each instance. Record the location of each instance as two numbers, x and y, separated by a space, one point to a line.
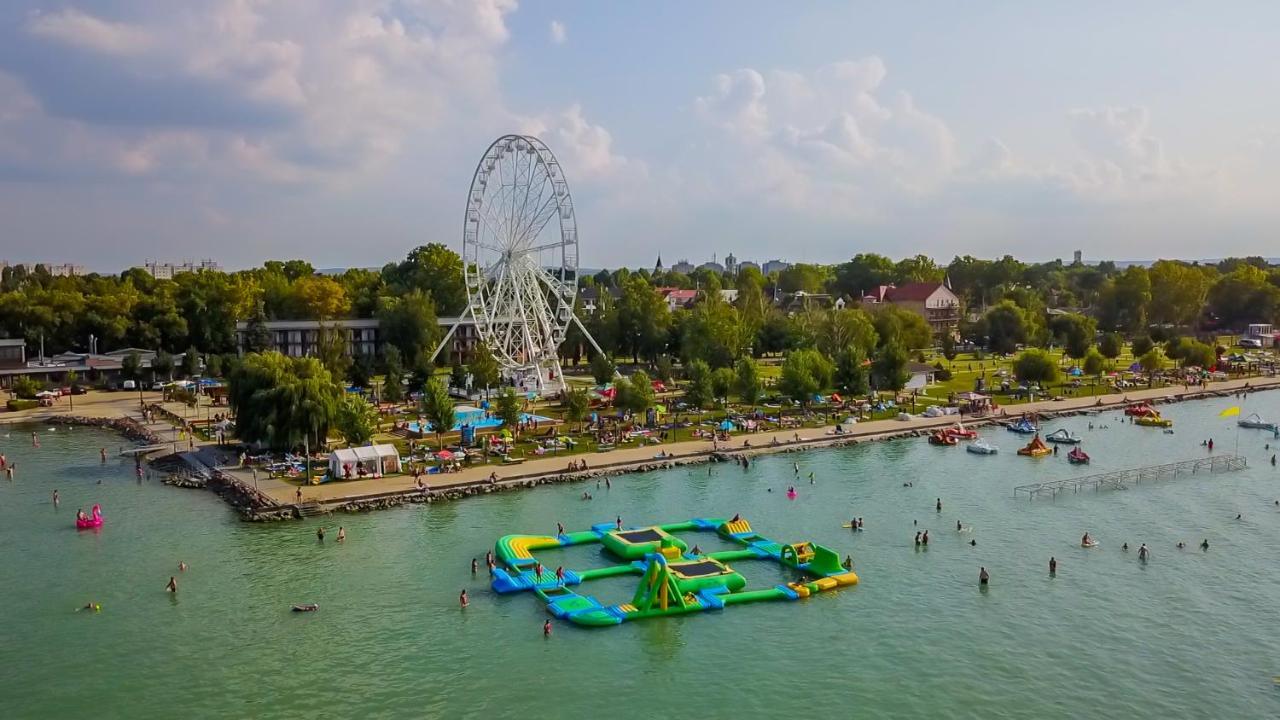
726 425
376 460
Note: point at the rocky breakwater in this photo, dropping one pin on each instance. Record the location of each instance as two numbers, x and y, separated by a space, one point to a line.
127 427
251 503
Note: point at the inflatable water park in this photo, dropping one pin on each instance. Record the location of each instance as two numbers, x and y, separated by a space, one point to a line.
672 579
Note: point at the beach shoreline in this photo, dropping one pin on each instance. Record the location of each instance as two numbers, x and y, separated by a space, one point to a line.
382 493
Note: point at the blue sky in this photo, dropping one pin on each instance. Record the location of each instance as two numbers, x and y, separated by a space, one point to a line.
346 131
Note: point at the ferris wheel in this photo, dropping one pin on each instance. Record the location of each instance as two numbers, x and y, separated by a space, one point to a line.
520 260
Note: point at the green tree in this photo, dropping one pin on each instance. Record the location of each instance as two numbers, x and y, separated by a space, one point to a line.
863 273
213 366
162 365
713 332
508 409
722 382
393 374
804 374
1123 300
889 367
947 342
664 369
602 369
1006 327
643 319
851 376
1243 296
1151 362
191 362
1093 363
458 376
1198 354
1178 291
359 374
257 336
1035 366
331 349
355 419
577 403
1142 345
747 382
438 408
432 269
697 390
409 322
895 324
1110 345
130 365
485 372
1076 333
635 394
280 401
26 387
801 277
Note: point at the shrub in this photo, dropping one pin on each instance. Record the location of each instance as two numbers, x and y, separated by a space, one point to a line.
16 405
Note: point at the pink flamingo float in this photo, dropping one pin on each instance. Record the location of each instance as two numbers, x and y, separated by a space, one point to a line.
93 521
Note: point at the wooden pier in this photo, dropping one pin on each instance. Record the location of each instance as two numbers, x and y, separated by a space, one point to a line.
1121 479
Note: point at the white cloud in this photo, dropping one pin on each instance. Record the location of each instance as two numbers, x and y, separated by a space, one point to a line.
584 149
80 30
558 32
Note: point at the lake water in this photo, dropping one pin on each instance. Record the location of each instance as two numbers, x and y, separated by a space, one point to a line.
1189 634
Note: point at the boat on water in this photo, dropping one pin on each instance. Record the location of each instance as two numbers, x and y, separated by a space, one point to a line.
942 438
960 431
1062 435
1256 422
1138 409
1023 426
1078 457
1152 419
981 447
1036 448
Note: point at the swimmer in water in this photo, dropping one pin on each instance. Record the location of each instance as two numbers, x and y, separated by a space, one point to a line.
90 606
173 584
56 500
475 566
1086 541
984 577
320 533
1204 544
546 628
848 562
1053 566
342 533
924 539
973 543
103 454
1181 545
1143 552
182 567
1125 547
959 527
462 598
917 538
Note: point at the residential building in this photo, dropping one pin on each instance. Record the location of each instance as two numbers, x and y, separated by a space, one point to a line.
933 301
89 366
774 266
301 338
13 352
54 269
677 298
594 297
166 271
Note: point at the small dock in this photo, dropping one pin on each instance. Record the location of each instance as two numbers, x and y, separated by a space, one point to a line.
1121 479
146 449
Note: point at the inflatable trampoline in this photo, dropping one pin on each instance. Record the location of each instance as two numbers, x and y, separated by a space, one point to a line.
671 579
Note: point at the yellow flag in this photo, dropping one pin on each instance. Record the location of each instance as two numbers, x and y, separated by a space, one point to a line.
1234 410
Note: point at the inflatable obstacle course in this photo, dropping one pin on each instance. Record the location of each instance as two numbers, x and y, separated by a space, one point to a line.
671 579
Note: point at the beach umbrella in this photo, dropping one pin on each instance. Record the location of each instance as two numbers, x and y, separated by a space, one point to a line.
726 425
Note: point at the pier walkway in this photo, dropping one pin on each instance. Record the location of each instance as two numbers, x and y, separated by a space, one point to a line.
1120 479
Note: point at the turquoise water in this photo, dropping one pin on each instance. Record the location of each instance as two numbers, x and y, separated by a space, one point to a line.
1189 634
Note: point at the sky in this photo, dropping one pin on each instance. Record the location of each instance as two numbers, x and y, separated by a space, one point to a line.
346 132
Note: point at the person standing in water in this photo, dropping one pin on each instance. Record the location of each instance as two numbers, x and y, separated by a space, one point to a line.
1143 552
939 505
462 599
1204 544
103 454
56 499
546 628
320 533
173 584
1053 566
984 577
924 539
917 538
475 566
342 533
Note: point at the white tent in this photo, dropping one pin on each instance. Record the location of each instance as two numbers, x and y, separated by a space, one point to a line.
375 460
